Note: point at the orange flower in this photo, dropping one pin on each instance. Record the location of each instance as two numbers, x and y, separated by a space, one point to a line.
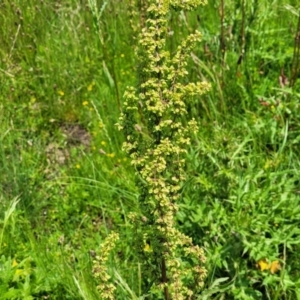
264 265
275 266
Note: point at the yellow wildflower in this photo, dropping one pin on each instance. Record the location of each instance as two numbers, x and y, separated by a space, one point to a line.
273 267
147 248
263 264
90 87
14 263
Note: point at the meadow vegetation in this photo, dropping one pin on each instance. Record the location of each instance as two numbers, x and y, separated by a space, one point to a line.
67 189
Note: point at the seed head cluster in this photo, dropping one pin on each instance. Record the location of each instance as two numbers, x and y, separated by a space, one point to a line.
157 131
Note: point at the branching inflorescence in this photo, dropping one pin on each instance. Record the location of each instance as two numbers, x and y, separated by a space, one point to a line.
157 137
100 271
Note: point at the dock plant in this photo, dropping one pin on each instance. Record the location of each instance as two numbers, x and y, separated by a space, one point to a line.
158 132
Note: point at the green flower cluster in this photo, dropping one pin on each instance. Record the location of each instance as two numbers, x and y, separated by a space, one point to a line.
156 140
100 270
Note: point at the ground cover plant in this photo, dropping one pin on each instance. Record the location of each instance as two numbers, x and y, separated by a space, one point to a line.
67 189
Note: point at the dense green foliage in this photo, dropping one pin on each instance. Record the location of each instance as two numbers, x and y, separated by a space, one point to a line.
65 184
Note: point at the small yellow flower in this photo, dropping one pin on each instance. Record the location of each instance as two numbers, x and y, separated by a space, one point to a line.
147 248
122 55
61 93
77 166
112 155
90 87
32 100
103 143
275 266
263 264
85 103
14 263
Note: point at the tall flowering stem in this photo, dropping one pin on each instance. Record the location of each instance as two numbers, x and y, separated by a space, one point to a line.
100 271
157 136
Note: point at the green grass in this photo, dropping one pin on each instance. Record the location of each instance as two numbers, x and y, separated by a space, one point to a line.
65 183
